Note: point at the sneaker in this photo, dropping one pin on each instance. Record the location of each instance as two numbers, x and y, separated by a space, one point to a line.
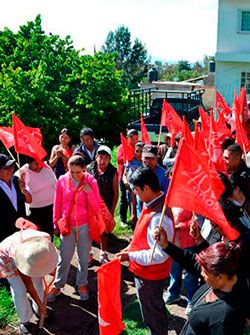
188 309
24 328
104 258
84 292
54 292
168 299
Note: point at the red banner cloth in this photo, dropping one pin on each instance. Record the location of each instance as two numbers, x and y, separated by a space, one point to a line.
205 123
196 187
128 151
7 137
241 135
221 104
101 222
243 109
187 133
171 120
109 300
28 141
144 133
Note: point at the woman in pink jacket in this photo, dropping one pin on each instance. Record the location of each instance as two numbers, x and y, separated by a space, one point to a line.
75 192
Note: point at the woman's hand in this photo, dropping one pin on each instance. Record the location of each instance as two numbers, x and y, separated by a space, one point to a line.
86 188
161 237
195 232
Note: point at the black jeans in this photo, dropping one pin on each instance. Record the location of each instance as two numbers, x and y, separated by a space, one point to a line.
43 218
150 295
123 203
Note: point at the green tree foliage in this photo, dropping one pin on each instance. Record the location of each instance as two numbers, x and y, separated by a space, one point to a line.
183 70
130 57
50 85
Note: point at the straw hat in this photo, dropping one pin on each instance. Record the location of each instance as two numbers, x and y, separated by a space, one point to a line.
36 257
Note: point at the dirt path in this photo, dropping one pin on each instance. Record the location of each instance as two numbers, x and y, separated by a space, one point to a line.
71 316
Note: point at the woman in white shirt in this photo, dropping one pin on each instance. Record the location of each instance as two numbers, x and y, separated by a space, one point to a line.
41 182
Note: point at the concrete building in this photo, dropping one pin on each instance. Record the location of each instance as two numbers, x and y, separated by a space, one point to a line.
233 48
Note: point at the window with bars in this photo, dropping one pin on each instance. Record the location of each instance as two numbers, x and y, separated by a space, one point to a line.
245 81
244 21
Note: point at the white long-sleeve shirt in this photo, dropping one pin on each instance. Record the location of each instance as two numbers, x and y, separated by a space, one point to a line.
142 257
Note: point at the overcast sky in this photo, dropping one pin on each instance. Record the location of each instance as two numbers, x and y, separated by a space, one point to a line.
170 29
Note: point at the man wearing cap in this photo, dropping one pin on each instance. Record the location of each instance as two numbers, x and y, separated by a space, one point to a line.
13 196
132 137
106 175
163 148
25 257
89 146
149 158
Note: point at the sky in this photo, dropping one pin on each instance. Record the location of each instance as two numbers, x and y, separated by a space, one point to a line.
171 30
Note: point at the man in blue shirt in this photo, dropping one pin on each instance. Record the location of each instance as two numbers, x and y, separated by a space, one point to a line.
149 158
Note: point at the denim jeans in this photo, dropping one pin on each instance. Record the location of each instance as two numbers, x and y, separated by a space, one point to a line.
190 282
67 249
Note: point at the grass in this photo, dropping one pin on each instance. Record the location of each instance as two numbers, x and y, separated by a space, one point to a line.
133 320
7 310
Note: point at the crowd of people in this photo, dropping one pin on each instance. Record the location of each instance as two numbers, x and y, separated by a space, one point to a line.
79 183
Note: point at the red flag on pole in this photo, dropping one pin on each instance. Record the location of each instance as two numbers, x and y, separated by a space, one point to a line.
109 300
186 133
216 138
144 133
28 141
205 123
196 187
128 151
171 120
7 137
199 143
241 135
243 108
221 104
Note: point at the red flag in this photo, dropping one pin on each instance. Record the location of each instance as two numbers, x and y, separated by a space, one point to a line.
221 104
205 123
128 151
7 137
144 133
217 136
28 141
171 120
199 143
100 222
186 133
196 187
221 124
243 109
109 300
241 135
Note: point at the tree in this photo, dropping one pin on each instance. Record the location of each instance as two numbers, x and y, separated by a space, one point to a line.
130 57
48 84
183 65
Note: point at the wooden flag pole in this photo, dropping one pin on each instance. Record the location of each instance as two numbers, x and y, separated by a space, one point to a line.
160 224
159 137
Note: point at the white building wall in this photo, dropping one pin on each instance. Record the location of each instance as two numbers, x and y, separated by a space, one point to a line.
229 39
233 48
228 78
